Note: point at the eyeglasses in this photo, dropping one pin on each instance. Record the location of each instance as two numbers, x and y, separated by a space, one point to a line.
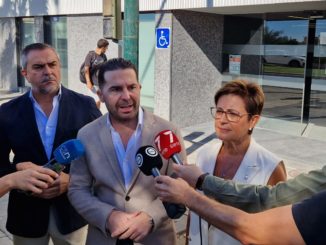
230 116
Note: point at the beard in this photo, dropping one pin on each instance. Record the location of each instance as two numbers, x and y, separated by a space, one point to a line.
53 87
118 116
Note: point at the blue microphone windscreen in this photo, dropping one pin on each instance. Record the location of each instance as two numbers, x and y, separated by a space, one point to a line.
68 151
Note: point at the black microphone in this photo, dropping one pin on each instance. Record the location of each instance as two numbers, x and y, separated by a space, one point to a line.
149 162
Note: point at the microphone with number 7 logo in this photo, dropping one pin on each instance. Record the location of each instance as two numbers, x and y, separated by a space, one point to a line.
64 154
168 145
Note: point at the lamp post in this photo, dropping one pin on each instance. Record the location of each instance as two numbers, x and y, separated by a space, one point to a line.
131 27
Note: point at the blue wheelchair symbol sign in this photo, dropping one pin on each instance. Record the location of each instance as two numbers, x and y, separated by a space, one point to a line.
162 37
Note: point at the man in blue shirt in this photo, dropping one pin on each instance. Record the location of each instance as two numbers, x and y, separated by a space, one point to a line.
32 126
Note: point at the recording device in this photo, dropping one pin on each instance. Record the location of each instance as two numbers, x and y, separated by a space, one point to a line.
149 162
64 154
168 145
124 242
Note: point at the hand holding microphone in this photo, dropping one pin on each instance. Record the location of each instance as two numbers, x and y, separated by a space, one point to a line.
63 155
149 162
168 145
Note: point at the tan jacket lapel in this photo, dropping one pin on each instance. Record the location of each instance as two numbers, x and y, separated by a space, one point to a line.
109 151
147 138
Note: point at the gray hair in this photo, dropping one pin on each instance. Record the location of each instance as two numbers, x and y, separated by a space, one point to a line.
31 47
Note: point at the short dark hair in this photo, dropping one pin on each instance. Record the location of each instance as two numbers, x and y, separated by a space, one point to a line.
251 93
102 43
112 65
31 47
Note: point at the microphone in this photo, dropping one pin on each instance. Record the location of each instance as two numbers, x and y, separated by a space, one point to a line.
168 145
149 162
64 154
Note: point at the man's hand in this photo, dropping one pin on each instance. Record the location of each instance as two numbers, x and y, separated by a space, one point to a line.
34 180
173 190
26 165
139 227
188 172
59 186
118 222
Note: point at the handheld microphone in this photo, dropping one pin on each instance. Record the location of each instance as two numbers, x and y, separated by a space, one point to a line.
168 145
64 154
149 162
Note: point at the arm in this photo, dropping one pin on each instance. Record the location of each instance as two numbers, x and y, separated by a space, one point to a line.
254 198
279 174
27 180
81 196
87 68
247 228
89 82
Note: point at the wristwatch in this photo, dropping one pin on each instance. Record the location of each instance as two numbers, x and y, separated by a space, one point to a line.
200 181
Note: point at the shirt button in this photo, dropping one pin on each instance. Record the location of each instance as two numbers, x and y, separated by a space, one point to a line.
127 198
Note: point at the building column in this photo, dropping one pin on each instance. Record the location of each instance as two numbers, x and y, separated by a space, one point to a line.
162 83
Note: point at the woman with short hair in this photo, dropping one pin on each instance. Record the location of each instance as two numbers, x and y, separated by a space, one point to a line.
235 155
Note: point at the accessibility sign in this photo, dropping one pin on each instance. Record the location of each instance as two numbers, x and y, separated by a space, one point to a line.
162 38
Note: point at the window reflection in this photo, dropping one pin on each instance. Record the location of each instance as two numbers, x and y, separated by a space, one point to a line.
56 35
283 63
26 36
27 31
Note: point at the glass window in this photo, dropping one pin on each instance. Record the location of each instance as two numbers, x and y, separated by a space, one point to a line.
27 32
26 36
56 35
283 63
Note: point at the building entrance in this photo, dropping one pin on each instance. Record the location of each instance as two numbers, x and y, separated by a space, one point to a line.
286 54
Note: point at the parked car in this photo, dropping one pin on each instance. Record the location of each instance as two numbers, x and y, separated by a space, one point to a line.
280 58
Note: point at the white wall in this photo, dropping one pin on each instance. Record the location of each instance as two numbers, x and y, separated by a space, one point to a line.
16 8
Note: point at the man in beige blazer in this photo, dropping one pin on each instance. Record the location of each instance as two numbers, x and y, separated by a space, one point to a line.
106 187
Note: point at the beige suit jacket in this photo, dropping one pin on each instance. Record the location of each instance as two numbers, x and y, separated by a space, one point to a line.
97 185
